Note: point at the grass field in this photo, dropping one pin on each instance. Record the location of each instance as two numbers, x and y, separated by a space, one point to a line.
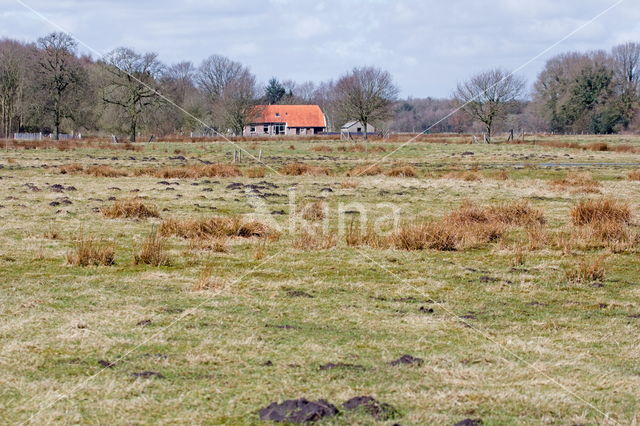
523 308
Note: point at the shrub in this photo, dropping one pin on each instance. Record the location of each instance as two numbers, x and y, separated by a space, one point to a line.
89 252
153 251
599 211
300 169
132 208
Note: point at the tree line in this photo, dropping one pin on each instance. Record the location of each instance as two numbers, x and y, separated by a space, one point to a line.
48 86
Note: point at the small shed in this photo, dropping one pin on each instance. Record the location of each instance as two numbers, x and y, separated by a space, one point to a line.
356 128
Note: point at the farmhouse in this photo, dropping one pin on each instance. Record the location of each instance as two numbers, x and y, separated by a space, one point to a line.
278 120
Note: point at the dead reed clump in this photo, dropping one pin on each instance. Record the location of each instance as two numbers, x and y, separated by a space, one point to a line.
599 211
105 171
91 252
365 170
302 169
314 239
131 208
587 271
402 170
322 148
153 251
634 175
207 282
313 211
256 172
581 182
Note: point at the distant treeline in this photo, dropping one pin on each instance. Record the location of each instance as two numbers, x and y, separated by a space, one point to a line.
48 87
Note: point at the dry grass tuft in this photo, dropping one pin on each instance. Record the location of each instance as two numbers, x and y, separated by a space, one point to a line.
216 245
587 271
72 168
356 237
256 172
322 148
90 252
365 170
582 182
314 239
313 211
105 171
467 176
193 172
131 208
207 282
402 170
602 210
349 184
518 213
300 169
153 251
216 227
634 175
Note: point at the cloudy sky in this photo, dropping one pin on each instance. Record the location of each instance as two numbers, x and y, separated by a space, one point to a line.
428 45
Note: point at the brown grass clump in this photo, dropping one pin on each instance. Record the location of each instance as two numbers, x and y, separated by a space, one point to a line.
349 184
90 252
216 227
314 239
587 271
402 170
467 176
313 211
105 171
132 208
300 169
153 251
322 148
207 282
423 236
582 182
352 148
357 237
365 170
194 172
601 211
216 245
72 168
634 175
256 172
519 213
498 175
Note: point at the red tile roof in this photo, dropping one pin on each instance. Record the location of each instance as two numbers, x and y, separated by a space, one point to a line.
292 115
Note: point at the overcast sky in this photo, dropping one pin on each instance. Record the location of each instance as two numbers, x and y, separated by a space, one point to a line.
428 45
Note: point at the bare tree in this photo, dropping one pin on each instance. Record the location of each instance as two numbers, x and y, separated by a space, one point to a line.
131 84
10 84
236 104
486 97
626 63
366 94
61 75
215 73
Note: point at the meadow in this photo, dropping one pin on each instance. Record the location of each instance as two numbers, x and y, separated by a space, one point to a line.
164 283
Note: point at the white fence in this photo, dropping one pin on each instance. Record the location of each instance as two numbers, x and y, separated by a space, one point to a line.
40 136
